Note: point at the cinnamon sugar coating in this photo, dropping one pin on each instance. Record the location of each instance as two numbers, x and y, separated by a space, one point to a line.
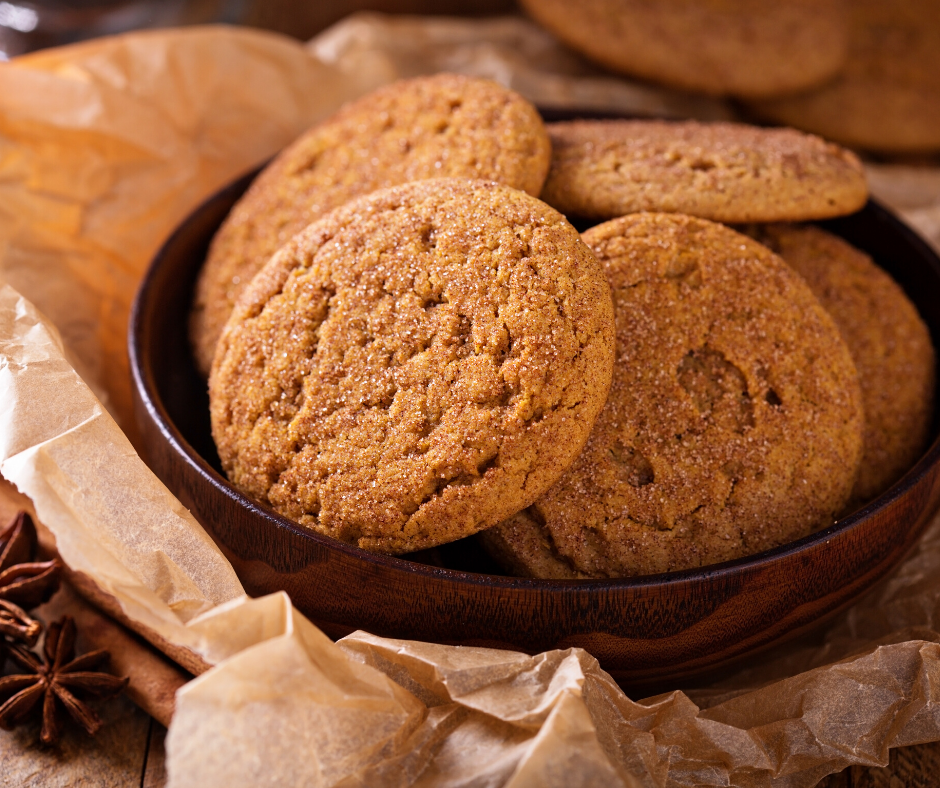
726 172
444 125
734 422
888 340
416 366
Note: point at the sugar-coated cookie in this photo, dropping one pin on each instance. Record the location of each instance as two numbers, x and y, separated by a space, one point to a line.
888 340
734 422
419 364
727 172
444 125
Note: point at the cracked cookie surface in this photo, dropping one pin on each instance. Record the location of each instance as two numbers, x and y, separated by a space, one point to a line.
726 172
445 125
888 340
734 422
416 366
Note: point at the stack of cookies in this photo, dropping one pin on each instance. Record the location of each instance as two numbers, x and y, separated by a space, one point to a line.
865 73
406 346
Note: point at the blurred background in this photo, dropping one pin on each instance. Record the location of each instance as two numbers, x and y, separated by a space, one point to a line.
865 73
26 26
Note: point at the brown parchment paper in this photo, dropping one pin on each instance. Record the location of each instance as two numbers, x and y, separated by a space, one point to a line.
104 146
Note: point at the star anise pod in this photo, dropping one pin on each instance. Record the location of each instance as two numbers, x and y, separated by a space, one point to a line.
17 541
56 680
16 624
25 582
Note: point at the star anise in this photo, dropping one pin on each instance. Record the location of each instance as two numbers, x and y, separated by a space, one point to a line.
23 583
17 540
56 681
16 624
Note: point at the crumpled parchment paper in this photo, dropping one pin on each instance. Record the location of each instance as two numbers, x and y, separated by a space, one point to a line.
104 147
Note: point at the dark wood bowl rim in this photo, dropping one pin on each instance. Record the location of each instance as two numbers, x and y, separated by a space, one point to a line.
147 390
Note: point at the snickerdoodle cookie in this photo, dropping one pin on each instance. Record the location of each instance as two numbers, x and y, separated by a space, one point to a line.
724 47
734 422
887 98
444 125
888 340
419 364
726 172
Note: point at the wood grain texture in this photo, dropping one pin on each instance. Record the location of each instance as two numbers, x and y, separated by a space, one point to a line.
643 630
909 767
114 758
128 751
155 766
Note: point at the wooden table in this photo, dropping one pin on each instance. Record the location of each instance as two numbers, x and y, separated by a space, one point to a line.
128 751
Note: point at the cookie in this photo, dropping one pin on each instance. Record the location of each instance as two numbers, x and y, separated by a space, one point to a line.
725 172
415 366
721 47
439 126
887 98
888 341
734 421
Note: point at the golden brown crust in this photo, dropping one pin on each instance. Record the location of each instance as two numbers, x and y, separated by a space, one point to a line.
888 340
723 47
727 172
416 366
734 422
887 97
444 125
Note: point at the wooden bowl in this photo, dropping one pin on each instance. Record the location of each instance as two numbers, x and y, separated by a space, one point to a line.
646 631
